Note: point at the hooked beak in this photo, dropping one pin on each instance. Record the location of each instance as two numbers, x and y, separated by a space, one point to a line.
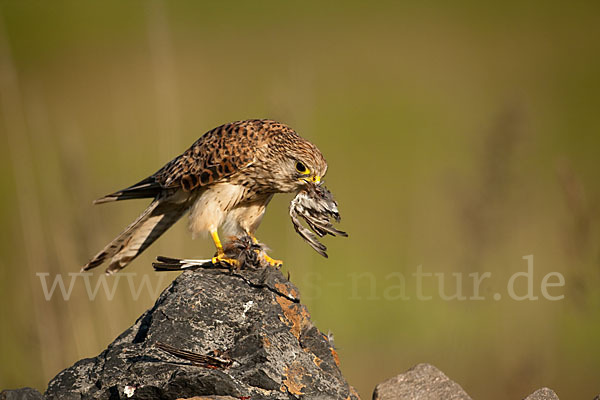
316 179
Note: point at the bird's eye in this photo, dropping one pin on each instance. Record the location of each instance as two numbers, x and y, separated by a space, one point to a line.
300 167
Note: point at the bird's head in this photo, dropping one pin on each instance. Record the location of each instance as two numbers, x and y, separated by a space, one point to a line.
307 165
302 164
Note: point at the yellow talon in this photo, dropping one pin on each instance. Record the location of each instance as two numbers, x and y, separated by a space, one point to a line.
221 258
272 262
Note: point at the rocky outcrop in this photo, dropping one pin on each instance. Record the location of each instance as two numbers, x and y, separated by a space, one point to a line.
422 382
221 334
214 332
426 382
542 394
21 394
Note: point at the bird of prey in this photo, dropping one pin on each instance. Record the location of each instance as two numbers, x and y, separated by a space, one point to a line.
225 180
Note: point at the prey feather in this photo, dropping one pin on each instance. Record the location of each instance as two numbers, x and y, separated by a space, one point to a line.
315 204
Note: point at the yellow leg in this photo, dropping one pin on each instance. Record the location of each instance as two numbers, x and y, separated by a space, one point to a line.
215 238
220 257
272 262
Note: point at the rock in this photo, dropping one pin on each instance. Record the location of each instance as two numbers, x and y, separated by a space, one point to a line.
214 334
542 394
422 382
210 398
21 394
223 334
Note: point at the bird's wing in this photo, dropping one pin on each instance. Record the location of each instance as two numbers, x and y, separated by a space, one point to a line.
218 154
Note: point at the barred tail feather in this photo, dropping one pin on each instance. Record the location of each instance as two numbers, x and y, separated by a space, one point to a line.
154 221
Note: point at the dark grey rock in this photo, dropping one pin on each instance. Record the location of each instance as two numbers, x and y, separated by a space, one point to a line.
542 394
422 382
21 394
213 332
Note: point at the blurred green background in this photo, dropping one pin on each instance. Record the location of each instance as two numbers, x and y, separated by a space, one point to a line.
461 136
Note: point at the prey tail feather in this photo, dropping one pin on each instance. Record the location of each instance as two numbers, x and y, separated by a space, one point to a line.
154 221
175 264
146 188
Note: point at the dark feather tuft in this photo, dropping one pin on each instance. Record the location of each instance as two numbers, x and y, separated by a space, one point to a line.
147 188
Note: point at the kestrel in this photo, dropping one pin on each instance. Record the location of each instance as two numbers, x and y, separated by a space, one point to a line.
225 180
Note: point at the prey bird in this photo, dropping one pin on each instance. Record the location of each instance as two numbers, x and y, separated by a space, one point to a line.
225 180
315 204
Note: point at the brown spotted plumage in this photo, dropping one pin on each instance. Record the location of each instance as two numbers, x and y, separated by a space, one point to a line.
225 180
